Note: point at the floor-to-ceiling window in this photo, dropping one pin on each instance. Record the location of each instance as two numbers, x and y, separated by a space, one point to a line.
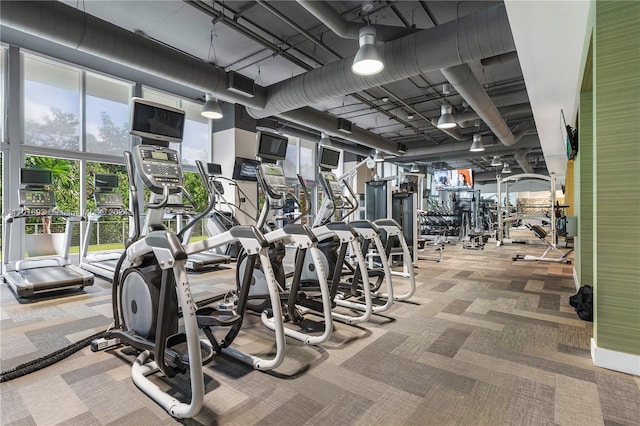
107 115
51 104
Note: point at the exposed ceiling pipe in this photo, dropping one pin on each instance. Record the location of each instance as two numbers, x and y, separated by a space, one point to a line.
462 79
70 27
315 119
500 59
467 117
345 29
469 38
66 25
313 137
521 157
492 147
453 132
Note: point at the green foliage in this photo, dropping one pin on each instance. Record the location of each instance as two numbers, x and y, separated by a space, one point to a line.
193 184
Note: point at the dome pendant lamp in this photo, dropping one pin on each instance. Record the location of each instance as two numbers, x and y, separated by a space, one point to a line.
211 108
367 60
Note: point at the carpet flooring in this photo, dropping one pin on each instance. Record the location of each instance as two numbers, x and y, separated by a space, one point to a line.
484 341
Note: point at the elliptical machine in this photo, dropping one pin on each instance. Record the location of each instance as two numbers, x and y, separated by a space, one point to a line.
151 288
360 285
273 182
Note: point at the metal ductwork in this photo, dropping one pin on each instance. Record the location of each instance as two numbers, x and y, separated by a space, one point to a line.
436 152
315 119
345 29
467 117
473 37
70 27
521 157
462 79
313 137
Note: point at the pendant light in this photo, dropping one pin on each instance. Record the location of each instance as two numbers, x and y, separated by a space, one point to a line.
446 120
496 162
477 145
367 60
506 169
211 108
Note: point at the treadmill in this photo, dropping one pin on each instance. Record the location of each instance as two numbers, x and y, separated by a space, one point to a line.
108 204
47 271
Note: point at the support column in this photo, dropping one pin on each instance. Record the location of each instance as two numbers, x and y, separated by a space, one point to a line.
235 136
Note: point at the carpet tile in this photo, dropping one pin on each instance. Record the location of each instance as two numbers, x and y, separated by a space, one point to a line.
484 341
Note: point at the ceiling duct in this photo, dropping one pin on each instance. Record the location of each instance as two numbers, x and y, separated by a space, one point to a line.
313 137
470 38
71 27
467 119
461 77
59 23
345 29
521 157
314 119
491 148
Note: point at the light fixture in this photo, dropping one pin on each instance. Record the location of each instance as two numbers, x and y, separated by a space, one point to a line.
506 169
414 169
477 145
324 139
446 120
211 108
367 60
496 162
410 117
378 158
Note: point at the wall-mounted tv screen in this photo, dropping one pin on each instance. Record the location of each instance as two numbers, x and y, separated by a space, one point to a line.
245 169
453 179
329 157
35 177
150 120
272 146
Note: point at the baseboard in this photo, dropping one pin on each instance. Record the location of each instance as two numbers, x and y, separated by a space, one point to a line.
613 360
576 280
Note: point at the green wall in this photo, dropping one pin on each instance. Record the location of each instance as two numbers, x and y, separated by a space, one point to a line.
616 100
584 190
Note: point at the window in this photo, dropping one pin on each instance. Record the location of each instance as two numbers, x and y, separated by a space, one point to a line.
111 231
66 184
307 160
107 115
291 160
196 144
51 104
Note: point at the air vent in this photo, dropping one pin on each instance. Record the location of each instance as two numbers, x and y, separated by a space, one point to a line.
344 125
241 85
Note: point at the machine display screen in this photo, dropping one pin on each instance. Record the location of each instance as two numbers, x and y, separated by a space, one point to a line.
329 157
159 156
271 146
155 121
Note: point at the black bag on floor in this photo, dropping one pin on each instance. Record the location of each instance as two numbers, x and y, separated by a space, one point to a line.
583 302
